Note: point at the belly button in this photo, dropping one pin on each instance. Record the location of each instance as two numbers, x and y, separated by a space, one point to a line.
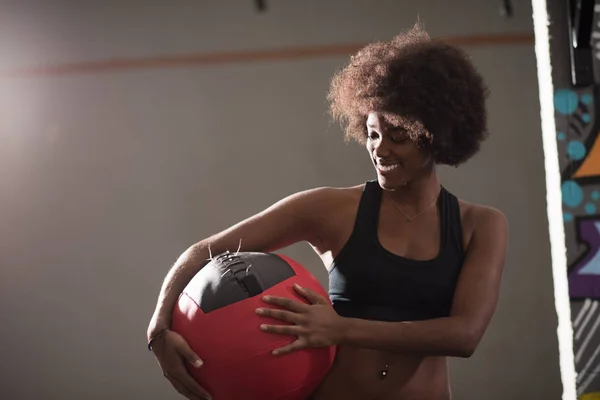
384 371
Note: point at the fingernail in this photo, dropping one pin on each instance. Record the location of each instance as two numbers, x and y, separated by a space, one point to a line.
259 311
266 298
297 286
198 363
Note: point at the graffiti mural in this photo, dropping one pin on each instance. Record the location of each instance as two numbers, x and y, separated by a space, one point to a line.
579 151
590 396
578 137
577 117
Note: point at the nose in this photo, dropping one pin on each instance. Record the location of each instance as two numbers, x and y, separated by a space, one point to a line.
381 149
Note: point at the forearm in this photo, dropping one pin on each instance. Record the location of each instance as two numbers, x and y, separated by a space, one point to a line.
182 272
436 337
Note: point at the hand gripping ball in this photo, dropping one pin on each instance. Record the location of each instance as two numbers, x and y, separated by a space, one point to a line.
216 315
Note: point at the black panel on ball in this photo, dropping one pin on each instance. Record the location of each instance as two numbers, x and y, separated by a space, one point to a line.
232 277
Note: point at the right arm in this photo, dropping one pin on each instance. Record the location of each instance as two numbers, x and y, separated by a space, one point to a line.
294 219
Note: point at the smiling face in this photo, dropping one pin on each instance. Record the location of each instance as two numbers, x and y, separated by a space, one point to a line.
397 158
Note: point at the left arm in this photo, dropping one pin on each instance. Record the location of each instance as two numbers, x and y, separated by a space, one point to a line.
474 303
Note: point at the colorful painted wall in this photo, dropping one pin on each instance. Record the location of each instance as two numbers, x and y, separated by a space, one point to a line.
579 150
577 115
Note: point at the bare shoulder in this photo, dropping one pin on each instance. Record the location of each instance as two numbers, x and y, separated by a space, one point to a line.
323 207
327 198
342 202
478 213
482 218
341 192
332 214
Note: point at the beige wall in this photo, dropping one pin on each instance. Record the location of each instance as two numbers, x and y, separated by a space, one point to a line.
106 178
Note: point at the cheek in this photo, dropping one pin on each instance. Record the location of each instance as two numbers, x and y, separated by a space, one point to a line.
424 159
416 159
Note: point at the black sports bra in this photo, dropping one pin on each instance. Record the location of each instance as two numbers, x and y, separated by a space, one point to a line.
369 282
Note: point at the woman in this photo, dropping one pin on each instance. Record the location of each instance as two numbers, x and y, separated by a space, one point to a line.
414 271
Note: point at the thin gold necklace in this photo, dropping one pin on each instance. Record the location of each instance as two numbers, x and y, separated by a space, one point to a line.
409 218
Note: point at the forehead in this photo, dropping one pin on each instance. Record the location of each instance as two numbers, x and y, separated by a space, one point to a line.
378 120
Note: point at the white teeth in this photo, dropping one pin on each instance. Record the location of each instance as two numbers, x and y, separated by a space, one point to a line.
387 168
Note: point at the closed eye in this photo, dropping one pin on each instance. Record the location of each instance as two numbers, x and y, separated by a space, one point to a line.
399 138
398 135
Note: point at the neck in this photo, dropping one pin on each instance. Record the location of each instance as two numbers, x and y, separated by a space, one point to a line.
417 193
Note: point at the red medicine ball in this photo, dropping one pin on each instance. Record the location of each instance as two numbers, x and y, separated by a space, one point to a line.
216 315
